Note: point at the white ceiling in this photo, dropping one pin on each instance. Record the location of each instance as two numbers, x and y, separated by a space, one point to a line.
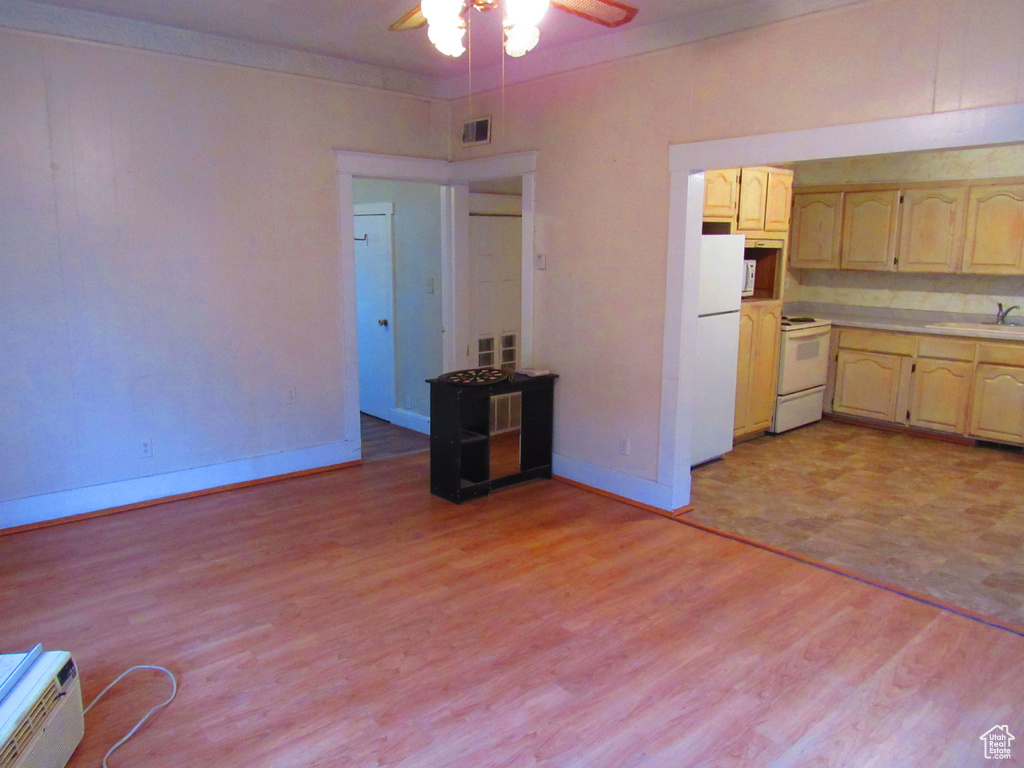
356 30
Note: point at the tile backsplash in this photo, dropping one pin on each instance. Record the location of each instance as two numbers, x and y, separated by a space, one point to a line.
964 294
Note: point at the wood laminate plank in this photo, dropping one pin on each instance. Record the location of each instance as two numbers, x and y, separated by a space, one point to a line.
352 619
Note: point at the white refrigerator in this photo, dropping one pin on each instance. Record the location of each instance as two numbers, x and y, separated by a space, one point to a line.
718 339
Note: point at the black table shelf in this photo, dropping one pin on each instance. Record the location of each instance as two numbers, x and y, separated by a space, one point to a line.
460 441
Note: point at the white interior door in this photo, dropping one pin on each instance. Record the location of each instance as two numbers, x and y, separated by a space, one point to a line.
496 285
375 315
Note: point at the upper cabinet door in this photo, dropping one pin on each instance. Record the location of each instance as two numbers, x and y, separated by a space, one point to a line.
869 229
995 230
814 241
721 193
931 230
753 198
780 200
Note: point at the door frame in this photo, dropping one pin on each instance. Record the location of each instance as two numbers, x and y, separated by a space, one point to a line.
960 129
454 179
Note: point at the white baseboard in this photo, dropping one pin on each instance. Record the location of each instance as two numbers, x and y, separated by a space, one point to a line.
638 489
411 420
78 501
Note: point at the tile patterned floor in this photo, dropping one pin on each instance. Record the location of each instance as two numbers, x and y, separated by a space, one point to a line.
937 520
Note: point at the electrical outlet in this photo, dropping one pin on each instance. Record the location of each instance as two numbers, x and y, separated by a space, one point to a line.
542 260
146 449
291 396
624 445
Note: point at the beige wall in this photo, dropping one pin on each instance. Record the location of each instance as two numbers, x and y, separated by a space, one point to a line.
169 266
602 186
169 227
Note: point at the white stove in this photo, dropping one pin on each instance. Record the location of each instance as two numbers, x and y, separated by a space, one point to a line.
800 323
803 371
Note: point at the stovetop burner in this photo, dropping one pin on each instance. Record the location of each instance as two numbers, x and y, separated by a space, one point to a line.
796 320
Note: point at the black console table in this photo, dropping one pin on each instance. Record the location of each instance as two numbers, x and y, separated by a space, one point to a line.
460 453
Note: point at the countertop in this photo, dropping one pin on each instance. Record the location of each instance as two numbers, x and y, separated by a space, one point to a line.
906 320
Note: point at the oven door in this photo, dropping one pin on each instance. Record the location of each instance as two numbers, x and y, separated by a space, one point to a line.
803 359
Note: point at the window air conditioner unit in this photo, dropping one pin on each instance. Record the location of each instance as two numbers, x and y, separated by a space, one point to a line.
41 721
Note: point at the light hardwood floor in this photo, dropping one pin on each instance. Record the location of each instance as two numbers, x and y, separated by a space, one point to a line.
351 619
382 439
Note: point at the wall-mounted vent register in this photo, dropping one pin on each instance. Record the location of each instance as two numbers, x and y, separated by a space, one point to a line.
41 721
476 131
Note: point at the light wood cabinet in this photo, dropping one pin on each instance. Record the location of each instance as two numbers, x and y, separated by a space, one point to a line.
955 385
753 198
757 366
931 230
997 410
941 395
721 193
779 204
872 385
765 200
817 219
997 407
869 230
956 226
995 230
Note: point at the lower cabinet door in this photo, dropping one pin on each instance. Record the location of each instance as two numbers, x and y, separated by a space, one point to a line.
764 367
757 367
941 395
997 409
871 385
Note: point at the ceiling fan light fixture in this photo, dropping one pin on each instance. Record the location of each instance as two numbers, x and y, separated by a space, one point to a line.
520 39
445 26
447 38
441 11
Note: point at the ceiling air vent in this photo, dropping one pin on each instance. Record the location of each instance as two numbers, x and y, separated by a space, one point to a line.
476 131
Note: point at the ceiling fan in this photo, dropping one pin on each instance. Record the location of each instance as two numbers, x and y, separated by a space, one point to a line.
446 19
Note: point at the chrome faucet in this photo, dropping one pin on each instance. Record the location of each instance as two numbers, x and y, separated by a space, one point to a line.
1002 313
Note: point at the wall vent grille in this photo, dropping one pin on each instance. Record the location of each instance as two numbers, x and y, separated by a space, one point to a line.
29 726
476 131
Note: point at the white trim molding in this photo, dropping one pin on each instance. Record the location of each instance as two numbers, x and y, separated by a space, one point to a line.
648 492
411 420
632 40
687 162
161 38
78 501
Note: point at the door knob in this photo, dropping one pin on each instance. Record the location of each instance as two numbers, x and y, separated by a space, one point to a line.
383 322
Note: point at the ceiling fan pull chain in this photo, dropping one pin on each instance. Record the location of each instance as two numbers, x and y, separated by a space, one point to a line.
469 45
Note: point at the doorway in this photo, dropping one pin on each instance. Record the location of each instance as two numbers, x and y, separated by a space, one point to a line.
687 162
398 302
375 310
451 288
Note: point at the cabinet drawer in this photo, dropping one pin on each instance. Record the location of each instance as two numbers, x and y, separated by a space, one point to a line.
1001 354
875 341
946 349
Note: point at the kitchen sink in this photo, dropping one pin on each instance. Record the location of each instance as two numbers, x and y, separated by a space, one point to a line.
994 330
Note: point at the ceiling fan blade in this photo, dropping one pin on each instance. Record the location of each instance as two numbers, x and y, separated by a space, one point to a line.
608 13
414 19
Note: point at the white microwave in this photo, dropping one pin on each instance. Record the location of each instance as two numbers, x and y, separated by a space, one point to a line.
749 271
